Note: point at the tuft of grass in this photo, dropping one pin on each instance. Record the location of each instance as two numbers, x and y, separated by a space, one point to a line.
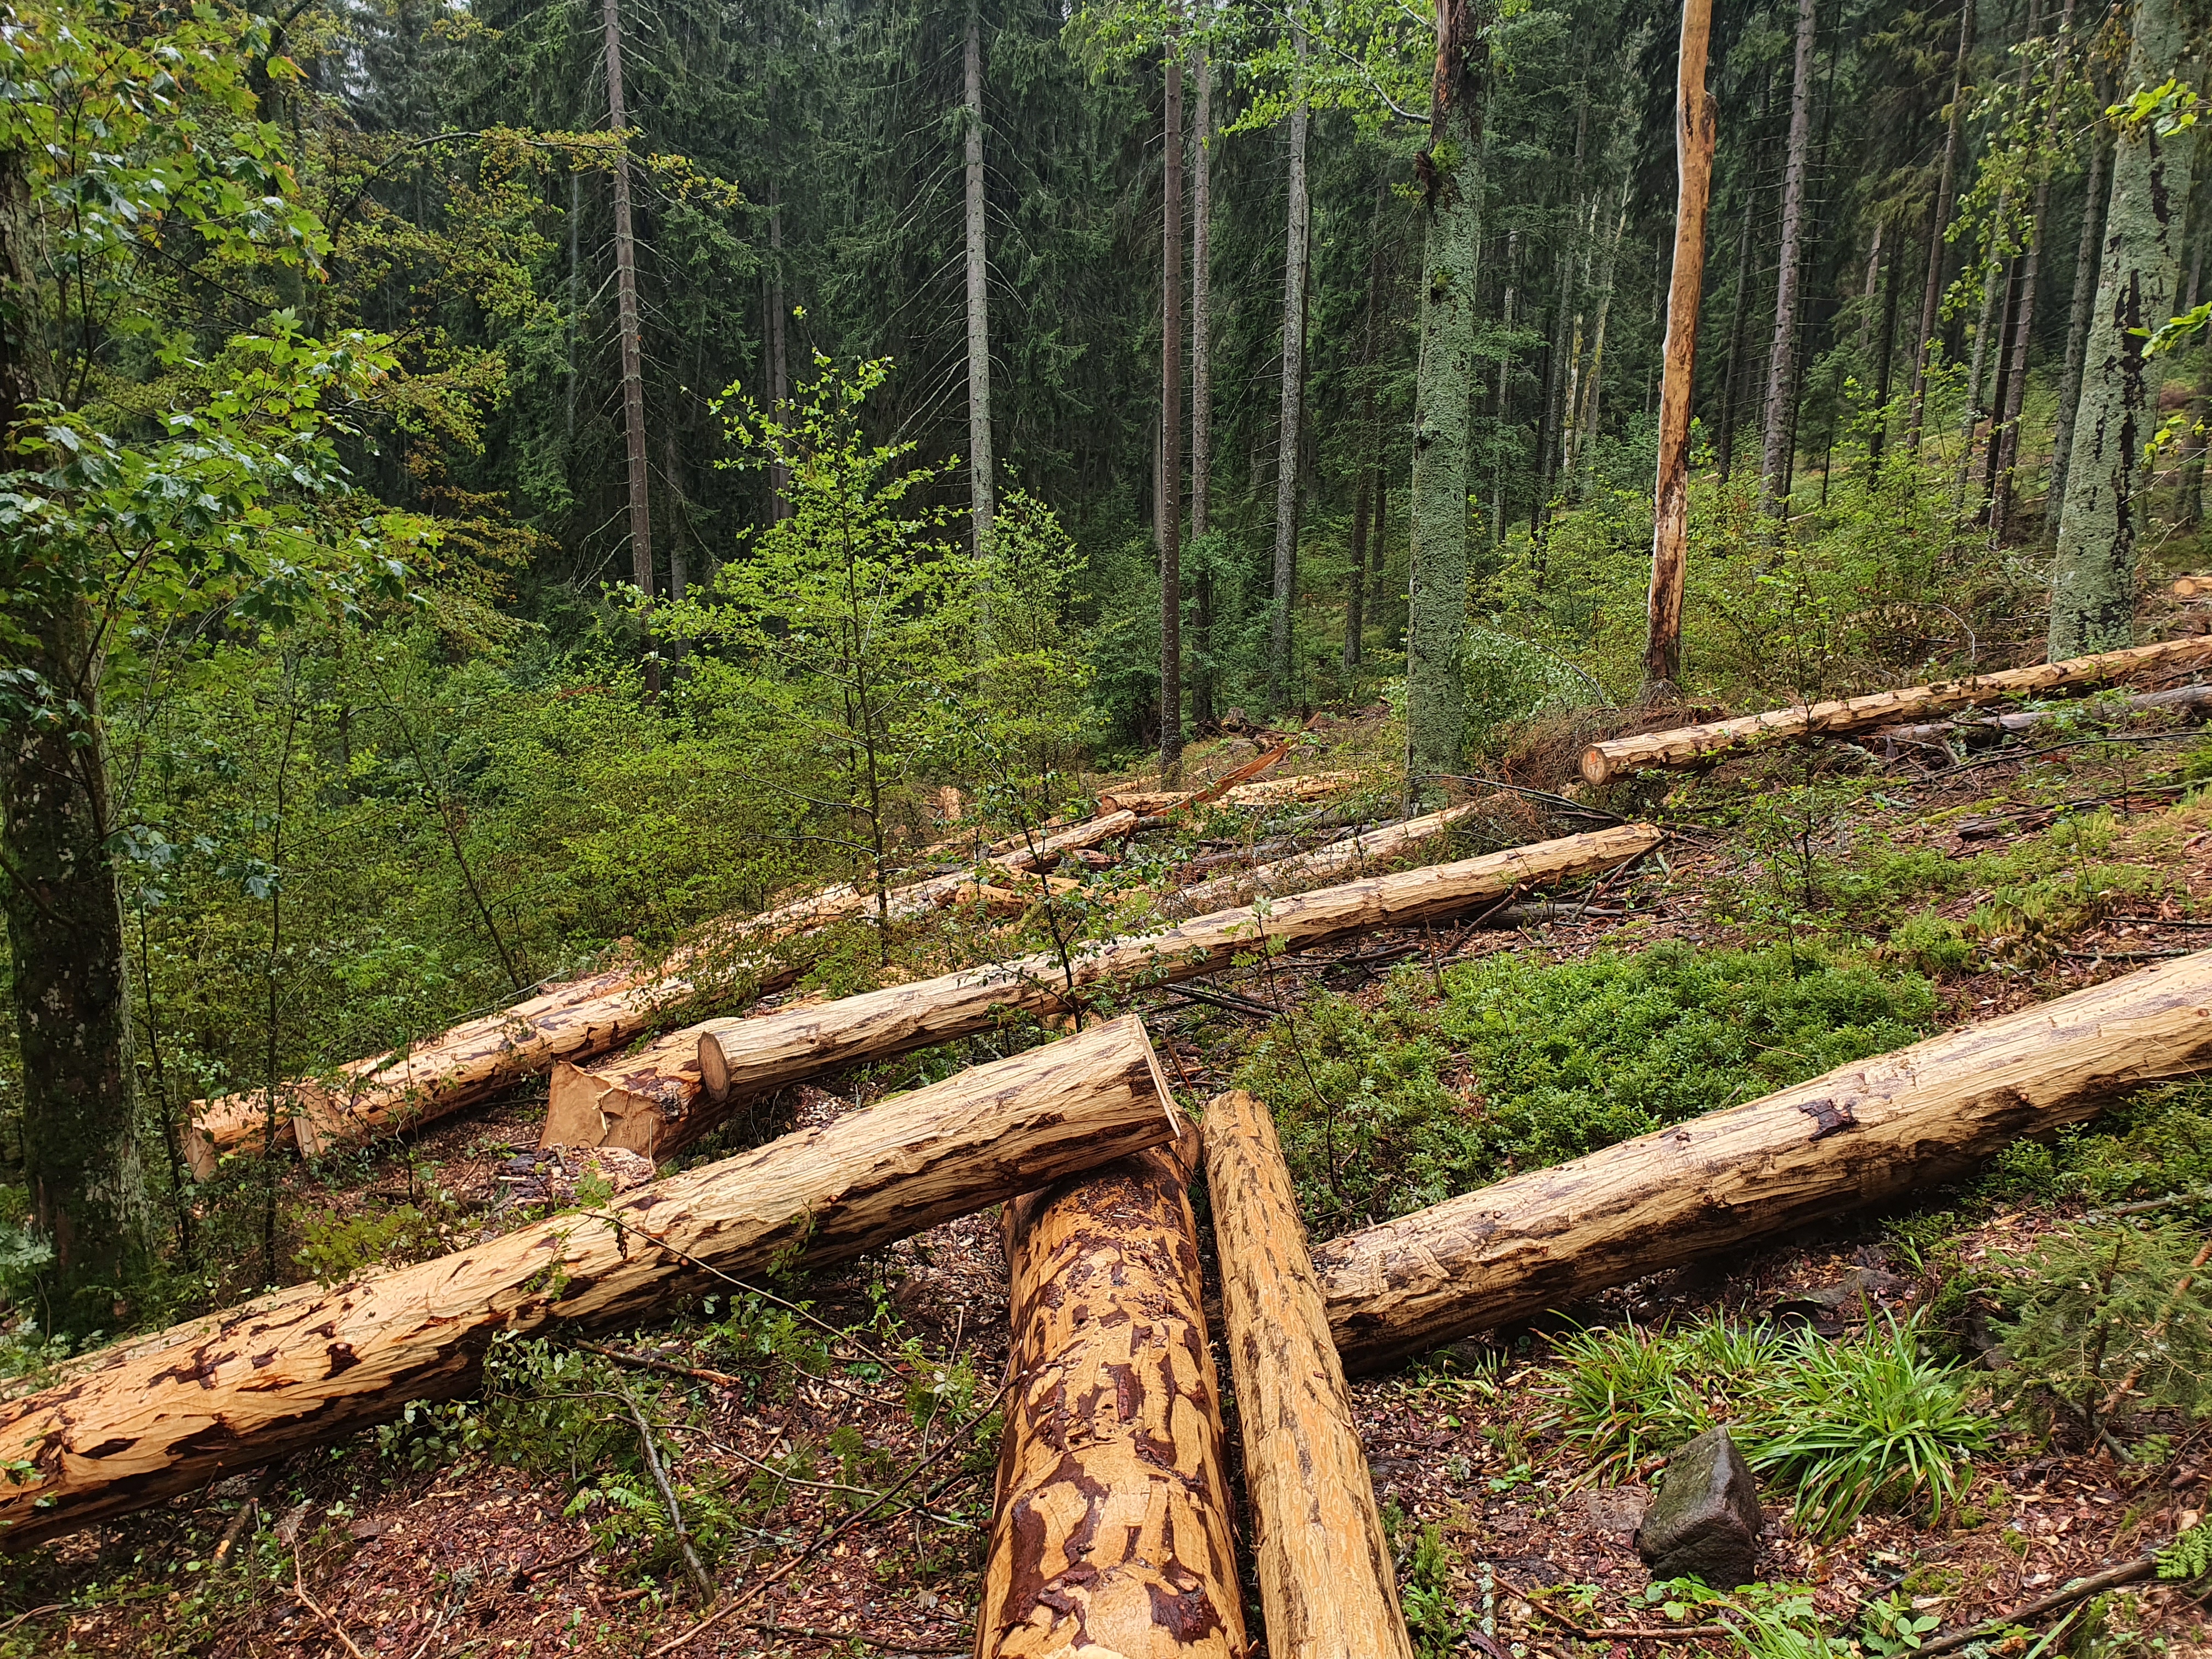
1632 1393
1873 1420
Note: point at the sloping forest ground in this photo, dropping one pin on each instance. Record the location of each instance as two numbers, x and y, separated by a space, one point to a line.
834 1435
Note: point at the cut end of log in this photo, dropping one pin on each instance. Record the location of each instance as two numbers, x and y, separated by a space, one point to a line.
1595 768
589 1108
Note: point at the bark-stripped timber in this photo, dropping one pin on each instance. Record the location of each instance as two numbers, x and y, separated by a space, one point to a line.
1155 801
1391 840
1687 745
2181 698
1864 1134
141 1421
1326 1580
1113 1530
2192 587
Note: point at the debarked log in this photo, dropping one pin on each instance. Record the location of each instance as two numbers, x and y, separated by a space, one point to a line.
1327 1582
2175 699
1862 1134
141 1421
1687 745
1112 1533
1376 846
752 1054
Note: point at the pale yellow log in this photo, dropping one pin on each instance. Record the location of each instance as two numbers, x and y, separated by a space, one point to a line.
1113 1532
1685 745
1327 1583
140 1422
1377 845
1863 1134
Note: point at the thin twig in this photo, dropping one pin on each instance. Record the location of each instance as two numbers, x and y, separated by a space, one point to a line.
2111 1578
885 1644
299 1590
828 1538
701 1579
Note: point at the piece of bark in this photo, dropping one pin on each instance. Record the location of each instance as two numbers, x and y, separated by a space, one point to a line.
1112 1532
1687 745
1376 846
1862 1134
137 1422
745 1056
1327 1583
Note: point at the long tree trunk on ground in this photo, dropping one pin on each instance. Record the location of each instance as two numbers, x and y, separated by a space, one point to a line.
134 1424
2092 581
1861 1136
1932 289
1327 1583
1436 606
1780 435
1114 1524
982 488
1296 230
1697 123
633 349
2077 326
1170 525
1201 384
71 976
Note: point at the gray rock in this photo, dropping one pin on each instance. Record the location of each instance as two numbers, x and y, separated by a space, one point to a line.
1705 1523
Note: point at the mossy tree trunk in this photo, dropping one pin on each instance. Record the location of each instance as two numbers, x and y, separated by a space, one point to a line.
2093 579
1436 612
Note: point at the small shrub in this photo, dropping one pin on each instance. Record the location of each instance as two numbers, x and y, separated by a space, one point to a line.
2098 1322
335 1248
1930 945
1851 1423
1433 1620
1631 1393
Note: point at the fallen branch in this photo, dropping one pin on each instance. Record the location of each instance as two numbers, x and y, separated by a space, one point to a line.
692 1565
1689 744
2111 1578
1860 1134
330 1622
137 1422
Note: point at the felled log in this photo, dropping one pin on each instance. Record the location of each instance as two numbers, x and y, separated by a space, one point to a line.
2192 587
1389 841
1172 800
1311 786
1687 745
1112 1531
1859 1135
1326 1579
140 1422
748 1055
1939 733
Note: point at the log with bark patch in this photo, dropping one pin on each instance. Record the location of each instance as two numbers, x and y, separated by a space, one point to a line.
1327 1583
1112 1529
1688 746
571 1022
1376 846
745 1056
1863 1133
139 1422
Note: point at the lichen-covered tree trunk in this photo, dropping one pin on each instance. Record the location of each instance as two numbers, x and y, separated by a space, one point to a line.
1437 605
2077 328
2093 579
64 914
1113 1532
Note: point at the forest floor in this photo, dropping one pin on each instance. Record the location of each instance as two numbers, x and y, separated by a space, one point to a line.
497 1530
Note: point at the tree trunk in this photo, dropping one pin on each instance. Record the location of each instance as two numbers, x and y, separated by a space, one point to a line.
1689 744
1732 378
746 1055
1696 122
1355 586
2092 584
1354 854
1326 1584
1586 422
1201 387
1778 442
1884 358
1113 1530
71 976
633 351
779 354
1436 584
1171 429
137 1422
1294 236
2077 329
1865 1135
982 488
1931 290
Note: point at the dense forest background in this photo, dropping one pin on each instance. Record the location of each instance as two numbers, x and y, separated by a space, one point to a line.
513 509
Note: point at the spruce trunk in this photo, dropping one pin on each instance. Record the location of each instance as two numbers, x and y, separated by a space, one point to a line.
2093 578
1777 441
2077 330
1931 290
632 344
1171 430
982 488
1437 607
1296 232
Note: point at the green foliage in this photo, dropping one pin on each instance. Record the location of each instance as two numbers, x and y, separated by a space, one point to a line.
1559 1059
335 1248
2189 1556
2111 1318
2157 1141
1929 945
1871 1419
1433 1617
1890 1626
1631 1394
